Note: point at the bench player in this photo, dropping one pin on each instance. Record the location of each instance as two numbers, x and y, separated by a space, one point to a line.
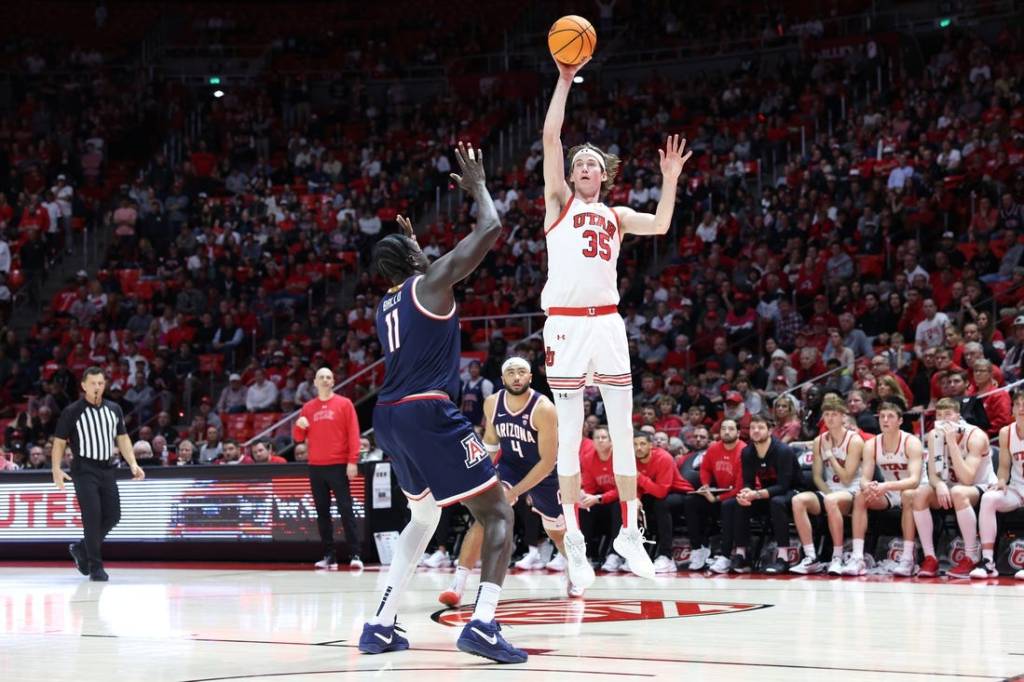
521 431
835 470
584 336
1007 494
959 470
900 457
437 458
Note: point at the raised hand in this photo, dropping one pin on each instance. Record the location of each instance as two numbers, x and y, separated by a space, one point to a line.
569 71
672 158
407 230
472 166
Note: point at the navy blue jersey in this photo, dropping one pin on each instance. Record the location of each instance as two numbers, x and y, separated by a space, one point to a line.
520 449
421 349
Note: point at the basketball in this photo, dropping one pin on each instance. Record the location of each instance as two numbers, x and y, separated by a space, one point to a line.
572 39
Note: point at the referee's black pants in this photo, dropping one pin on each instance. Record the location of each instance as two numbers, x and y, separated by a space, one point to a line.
99 502
322 480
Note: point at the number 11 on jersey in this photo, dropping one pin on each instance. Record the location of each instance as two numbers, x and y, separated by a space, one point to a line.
391 320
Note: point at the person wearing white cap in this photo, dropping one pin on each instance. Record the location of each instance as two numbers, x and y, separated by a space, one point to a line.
521 433
585 337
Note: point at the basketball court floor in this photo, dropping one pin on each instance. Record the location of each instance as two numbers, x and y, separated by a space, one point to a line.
245 622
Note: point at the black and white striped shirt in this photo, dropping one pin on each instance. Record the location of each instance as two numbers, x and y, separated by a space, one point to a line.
91 431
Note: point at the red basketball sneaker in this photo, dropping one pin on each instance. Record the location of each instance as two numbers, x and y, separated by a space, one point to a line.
962 569
930 567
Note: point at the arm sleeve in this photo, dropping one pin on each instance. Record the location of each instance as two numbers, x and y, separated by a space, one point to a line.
707 466
749 470
299 435
784 471
66 423
353 433
122 430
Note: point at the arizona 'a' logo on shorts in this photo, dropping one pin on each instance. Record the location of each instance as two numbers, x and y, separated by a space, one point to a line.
558 610
475 452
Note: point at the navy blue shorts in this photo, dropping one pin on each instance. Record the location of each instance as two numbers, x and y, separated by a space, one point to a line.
543 497
433 449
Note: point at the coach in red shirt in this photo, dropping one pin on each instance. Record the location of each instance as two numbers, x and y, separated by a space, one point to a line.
720 471
330 428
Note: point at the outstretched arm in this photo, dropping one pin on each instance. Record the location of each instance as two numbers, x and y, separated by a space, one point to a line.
556 190
673 159
435 289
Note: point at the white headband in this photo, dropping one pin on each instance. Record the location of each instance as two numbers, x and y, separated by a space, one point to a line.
515 363
587 151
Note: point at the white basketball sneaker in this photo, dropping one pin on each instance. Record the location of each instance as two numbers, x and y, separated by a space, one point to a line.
438 559
532 561
835 567
808 566
906 568
581 573
612 563
855 566
575 592
664 564
556 564
699 558
1019 575
629 544
720 564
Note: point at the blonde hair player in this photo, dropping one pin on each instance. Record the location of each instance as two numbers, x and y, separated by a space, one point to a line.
835 470
900 456
959 470
1007 493
521 433
585 337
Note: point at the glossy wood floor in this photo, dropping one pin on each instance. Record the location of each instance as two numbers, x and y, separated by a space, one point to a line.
244 622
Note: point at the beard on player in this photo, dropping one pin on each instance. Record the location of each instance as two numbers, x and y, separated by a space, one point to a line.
519 389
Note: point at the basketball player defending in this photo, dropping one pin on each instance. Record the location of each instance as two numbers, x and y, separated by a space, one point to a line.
521 432
900 457
1007 493
435 454
585 337
959 469
836 473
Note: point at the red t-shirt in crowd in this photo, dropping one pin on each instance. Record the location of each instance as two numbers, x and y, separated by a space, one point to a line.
721 468
597 477
658 476
333 431
274 459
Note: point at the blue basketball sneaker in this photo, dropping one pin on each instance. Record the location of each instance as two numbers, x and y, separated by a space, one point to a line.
378 639
484 639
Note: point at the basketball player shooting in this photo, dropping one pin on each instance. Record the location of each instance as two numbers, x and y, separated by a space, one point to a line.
584 336
435 454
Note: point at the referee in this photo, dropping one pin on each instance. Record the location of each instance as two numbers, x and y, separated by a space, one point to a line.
93 426
330 428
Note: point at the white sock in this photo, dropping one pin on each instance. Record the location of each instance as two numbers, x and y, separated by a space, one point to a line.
459 581
968 521
631 513
810 553
486 602
783 553
572 523
989 554
925 526
908 551
408 550
741 551
858 548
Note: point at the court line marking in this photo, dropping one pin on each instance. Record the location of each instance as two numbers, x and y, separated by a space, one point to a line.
332 643
736 664
489 667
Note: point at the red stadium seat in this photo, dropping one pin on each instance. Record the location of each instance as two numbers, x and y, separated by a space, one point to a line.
261 421
238 426
871 265
211 363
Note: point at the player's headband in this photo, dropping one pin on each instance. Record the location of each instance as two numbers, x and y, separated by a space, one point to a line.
587 151
515 363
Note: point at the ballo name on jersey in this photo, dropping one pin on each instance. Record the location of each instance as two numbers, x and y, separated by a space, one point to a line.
594 219
507 430
390 303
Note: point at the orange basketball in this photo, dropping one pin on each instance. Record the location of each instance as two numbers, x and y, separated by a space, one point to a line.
572 39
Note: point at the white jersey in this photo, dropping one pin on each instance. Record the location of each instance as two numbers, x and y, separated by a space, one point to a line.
839 453
895 465
1016 459
986 473
583 251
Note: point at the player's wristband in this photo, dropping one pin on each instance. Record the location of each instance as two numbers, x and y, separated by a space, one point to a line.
491 448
